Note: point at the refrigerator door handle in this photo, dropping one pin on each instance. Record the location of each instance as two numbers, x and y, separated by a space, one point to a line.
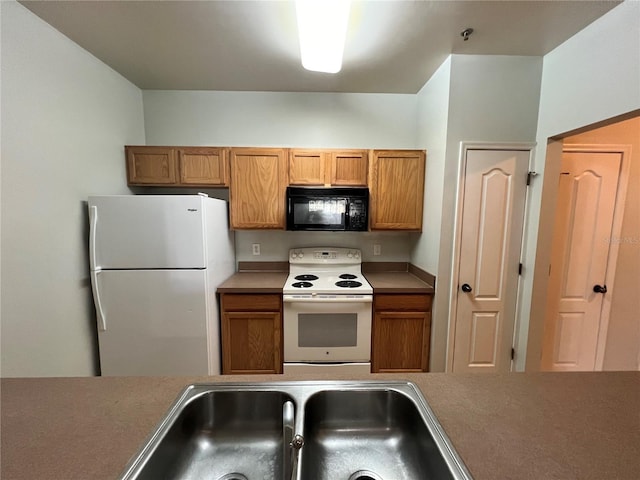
102 323
93 224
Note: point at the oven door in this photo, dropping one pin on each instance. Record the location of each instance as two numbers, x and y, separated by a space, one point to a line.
327 329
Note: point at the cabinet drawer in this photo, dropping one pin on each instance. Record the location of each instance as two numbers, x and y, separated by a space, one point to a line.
232 302
402 302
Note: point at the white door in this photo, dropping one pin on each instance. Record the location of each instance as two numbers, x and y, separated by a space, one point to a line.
579 256
494 185
146 231
152 322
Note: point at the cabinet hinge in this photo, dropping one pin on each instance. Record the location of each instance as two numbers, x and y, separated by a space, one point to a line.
513 353
530 175
520 269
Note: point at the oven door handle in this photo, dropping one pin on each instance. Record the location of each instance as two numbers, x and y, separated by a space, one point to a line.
319 299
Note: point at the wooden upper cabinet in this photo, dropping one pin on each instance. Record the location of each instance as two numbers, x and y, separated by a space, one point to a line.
177 166
328 167
307 167
396 189
258 186
203 166
349 168
151 166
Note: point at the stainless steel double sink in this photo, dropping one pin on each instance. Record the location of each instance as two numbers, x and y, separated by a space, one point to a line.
306 430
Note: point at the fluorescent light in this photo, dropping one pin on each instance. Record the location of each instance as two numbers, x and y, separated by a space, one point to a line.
322 28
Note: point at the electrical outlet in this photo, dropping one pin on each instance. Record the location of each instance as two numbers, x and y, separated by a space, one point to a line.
377 249
255 247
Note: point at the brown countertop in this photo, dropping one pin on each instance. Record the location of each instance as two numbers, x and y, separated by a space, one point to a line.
397 282
515 426
384 277
254 282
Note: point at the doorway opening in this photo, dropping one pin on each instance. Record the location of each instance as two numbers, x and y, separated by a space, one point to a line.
593 288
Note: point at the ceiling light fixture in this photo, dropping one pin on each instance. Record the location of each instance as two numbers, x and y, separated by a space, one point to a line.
322 29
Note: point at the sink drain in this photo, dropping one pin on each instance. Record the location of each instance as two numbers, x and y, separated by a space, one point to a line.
364 475
233 476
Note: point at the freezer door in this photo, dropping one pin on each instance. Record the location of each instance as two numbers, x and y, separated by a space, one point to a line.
146 231
154 322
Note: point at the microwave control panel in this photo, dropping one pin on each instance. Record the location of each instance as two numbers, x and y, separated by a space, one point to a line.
357 215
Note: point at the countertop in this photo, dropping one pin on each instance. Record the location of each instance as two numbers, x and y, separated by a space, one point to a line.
397 282
384 277
254 282
513 426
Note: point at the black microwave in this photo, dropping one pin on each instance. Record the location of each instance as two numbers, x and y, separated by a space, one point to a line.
329 209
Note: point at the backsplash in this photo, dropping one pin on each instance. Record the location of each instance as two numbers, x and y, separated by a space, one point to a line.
275 244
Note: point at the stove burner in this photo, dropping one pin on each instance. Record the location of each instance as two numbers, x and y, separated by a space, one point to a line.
302 284
306 276
348 284
348 276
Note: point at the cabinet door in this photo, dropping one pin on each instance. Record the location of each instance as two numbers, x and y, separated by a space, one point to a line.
251 342
349 168
396 190
400 342
257 189
307 167
203 166
151 165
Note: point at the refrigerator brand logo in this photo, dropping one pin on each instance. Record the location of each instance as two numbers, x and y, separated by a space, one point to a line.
192 209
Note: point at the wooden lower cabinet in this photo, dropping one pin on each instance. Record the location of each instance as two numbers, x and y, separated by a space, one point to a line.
251 328
401 333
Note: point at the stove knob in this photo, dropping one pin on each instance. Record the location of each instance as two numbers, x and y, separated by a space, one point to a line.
349 255
357 254
294 254
300 255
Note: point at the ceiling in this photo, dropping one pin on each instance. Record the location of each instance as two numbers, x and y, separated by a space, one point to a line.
392 46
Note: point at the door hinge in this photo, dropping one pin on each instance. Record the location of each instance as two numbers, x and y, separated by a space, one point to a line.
513 353
529 176
520 269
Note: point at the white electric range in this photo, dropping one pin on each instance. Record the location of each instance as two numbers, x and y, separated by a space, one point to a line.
327 306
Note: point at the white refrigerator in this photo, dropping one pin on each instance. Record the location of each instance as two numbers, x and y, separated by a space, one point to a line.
156 261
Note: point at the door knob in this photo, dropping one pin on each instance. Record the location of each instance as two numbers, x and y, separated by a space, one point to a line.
466 288
600 289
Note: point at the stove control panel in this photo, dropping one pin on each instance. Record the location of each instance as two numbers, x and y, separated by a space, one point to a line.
325 255
330 255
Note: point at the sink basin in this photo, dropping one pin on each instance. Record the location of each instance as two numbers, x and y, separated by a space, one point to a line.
368 434
334 430
230 435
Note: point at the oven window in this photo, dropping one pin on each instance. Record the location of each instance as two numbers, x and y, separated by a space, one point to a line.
327 329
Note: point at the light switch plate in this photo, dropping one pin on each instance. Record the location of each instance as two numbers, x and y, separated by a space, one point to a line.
377 249
255 248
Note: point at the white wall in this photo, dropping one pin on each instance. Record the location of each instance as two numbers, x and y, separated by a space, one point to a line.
492 99
433 118
330 120
65 119
593 76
